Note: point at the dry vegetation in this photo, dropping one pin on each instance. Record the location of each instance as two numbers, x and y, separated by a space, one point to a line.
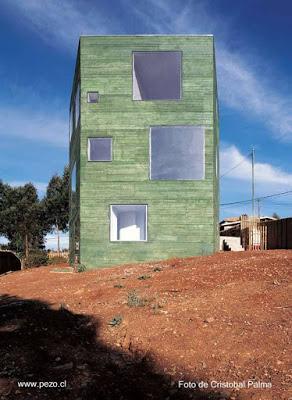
133 332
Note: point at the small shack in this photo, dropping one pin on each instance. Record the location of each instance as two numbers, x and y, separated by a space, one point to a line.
264 233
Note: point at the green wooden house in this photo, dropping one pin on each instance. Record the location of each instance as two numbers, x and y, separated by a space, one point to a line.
143 149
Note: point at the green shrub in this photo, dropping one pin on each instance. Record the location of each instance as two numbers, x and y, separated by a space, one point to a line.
81 268
134 300
117 320
57 260
36 258
118 286
144 277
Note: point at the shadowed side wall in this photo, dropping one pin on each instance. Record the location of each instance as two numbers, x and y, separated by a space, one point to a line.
9 262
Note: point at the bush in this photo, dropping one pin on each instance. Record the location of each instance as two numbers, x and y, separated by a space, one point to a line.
118 286
36 258
81 268
144 277
57 260
117 320
134 300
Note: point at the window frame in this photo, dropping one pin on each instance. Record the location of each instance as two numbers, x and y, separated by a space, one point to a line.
181 73
128 241
204 152
73 170
88 148
88 94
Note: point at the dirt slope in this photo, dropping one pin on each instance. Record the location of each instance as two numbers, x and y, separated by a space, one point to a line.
220 318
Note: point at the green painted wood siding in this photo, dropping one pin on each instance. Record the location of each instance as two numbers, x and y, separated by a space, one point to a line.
182 215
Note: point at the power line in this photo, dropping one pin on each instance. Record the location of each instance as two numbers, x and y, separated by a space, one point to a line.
235 166
257 198
252 181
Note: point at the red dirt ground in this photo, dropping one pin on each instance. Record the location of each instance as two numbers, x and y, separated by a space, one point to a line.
222 318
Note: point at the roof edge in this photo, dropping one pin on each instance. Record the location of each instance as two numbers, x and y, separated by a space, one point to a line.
150 34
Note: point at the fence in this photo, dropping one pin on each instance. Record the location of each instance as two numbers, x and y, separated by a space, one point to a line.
52 254
268 235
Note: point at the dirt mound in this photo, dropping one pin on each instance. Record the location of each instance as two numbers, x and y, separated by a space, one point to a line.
141 331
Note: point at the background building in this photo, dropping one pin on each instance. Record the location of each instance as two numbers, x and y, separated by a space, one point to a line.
143 149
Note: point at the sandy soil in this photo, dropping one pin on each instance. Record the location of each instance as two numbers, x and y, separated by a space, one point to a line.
135 331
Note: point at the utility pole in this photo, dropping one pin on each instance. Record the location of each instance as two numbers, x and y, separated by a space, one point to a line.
259 208
252 180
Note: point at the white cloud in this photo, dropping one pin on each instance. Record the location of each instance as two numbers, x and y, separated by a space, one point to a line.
236 185
241 88
51 241
265 174
40 186
241 83
34 125
3 240
61 22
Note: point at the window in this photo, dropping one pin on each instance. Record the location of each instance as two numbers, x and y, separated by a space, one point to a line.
157 75
100 149
92 97
177 152
128 223
73 179
77 105
71 122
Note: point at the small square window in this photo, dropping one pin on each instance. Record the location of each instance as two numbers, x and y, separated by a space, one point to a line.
100 149
128 223
92 97
157 75
177 152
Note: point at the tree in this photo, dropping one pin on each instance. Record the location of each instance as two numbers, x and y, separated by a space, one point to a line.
56 204
21 217
275 215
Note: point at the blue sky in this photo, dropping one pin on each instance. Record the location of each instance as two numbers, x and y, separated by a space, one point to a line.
38 48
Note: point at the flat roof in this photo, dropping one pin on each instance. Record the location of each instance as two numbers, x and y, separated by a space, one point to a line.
150 34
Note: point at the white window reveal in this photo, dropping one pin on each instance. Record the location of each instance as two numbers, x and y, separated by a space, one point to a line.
157 75
128 222
100 149
177 152
71 122
92 97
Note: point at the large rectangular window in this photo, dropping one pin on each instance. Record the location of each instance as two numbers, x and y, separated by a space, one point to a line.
157 75
77 105
177 152
128 222
99 149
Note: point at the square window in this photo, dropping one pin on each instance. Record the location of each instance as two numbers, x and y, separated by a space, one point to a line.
128 223
177 152
157 75
100 149
92 97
